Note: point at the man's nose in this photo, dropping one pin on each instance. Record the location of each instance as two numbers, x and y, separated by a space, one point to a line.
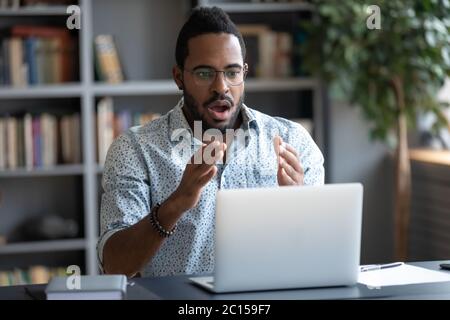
220 85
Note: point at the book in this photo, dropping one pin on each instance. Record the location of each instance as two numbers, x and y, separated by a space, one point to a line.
107 60
283 56
70 141
3 144
16 62
28 140
11 143
103 287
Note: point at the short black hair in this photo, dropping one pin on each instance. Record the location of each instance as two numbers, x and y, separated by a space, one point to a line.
205 20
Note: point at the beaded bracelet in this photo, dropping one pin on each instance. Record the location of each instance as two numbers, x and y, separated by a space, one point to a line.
155 223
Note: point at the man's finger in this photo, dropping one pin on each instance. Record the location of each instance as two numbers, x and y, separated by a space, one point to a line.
290 171
291 158
290 148
283 178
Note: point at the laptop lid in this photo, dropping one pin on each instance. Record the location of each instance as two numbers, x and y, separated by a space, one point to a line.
287 237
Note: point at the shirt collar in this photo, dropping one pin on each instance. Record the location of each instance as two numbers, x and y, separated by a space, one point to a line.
249 120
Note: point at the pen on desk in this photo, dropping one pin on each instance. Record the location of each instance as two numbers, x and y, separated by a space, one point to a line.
380 266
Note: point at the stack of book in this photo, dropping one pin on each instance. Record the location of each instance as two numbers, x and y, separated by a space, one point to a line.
31 55
32 275
39 140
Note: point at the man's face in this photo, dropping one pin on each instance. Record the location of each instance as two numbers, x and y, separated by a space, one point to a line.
217 104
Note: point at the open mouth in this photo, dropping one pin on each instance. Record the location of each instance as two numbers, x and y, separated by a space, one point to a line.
219 110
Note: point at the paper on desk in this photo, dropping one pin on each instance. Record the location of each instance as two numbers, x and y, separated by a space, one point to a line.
404 274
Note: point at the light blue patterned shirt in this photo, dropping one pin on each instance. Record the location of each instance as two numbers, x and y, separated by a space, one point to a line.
142 169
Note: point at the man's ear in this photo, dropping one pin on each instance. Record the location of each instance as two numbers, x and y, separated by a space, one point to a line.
177 75
246 67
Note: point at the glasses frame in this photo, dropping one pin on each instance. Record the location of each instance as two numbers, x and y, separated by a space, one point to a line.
244 70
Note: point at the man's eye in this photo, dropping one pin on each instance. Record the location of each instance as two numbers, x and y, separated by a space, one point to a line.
232 74
205 74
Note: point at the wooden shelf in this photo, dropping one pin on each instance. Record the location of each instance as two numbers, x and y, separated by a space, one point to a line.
441 157
59 170
43 246
41 91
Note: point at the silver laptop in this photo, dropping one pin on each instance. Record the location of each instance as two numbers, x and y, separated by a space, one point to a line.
286 237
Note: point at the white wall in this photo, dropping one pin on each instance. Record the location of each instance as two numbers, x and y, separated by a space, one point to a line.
354 158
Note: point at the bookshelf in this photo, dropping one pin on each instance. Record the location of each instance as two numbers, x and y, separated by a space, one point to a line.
145 34
59 170
42 91
34 12
43 246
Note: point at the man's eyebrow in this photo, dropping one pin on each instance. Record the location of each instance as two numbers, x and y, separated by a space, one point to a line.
233 65
202 66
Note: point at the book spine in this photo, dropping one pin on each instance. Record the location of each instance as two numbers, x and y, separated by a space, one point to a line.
3 150
16 61
28 137
12 143
30 52
107 57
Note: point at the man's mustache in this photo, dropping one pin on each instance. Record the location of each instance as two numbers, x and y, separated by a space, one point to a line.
218 97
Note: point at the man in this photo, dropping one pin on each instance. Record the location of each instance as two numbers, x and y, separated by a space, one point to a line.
160 179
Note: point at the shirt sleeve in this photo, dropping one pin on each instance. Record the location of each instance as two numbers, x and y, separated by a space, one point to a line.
311 159
126 197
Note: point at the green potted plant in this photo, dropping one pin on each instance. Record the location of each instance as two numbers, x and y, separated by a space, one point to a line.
392 73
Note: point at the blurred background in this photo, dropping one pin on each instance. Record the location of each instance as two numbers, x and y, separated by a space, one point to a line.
365 78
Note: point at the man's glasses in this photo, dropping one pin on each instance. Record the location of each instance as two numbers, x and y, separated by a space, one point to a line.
204 76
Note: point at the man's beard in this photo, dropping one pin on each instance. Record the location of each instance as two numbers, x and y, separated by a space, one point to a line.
192 108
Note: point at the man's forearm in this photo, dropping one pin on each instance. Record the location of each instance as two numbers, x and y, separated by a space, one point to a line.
129 250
